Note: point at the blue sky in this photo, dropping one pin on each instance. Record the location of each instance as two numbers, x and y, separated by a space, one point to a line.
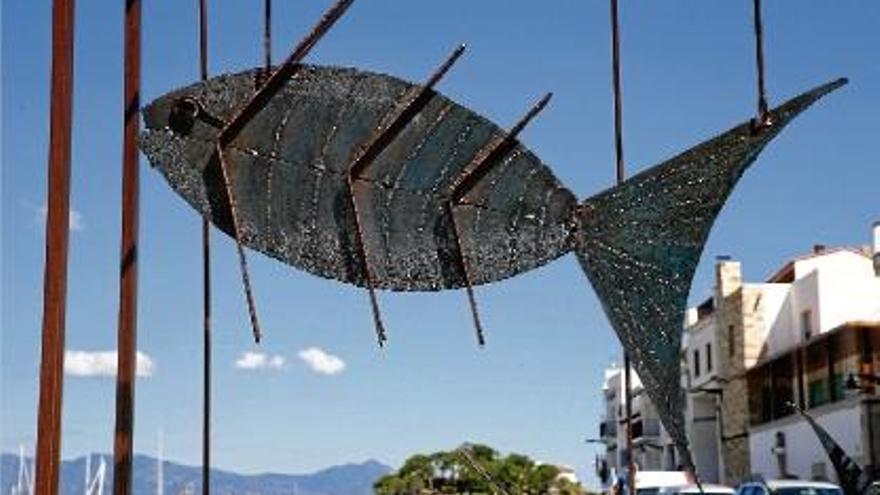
688 71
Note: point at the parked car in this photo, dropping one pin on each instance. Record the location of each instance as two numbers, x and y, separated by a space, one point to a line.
788 487
650 482
693 489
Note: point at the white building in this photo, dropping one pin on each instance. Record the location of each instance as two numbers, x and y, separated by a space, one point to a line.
652 447
752 348
827 328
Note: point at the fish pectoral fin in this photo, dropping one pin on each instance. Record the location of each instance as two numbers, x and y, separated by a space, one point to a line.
639 244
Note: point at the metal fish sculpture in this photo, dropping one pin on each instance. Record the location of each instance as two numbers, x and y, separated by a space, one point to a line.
639 242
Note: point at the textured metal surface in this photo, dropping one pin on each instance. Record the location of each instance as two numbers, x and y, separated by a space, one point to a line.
288 166
640 242
288 169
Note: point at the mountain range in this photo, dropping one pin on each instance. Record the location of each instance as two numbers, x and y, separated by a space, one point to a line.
346 479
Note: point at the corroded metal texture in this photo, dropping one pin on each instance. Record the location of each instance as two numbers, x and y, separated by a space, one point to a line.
639 244
288 169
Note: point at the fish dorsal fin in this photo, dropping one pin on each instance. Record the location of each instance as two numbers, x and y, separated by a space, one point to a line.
639 243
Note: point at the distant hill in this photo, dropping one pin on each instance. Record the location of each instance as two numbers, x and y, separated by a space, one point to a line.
346 479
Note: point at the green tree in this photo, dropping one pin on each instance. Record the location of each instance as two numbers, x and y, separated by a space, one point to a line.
460 471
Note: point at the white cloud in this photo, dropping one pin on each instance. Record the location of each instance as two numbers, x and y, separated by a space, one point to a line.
321 361
75 218
259 360
103 363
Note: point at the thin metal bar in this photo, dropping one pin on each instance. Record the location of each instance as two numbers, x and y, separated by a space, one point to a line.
284 72
620 175
482 163
206 346
381 334
627 387
48 456
123 445
412 104
466 271
206 286
253 106
267 34
487 157
618 97
242 258
203 40
763 107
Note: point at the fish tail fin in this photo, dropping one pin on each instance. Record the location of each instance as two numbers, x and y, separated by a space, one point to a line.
639 244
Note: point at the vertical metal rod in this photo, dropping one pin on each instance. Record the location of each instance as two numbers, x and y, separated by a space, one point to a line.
48 456
128 280
278 78
618 99
619 168
763 107
267 34
206 286
627 387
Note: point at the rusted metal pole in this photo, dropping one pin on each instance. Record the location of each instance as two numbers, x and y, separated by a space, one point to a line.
128 276
48 460
206 286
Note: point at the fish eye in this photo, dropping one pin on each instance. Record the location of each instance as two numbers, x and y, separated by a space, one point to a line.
183 115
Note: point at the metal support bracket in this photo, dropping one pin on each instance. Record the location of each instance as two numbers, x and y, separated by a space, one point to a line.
486 159
394 123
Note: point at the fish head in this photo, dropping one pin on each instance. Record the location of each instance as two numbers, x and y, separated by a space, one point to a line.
181 131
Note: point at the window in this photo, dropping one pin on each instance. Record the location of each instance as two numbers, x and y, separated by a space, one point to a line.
696 363
709 357
731 341
806 324
820 373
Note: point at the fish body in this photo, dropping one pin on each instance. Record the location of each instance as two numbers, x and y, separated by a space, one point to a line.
638 242
288 170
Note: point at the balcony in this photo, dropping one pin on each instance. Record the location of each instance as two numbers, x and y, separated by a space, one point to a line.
646 427
608 429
